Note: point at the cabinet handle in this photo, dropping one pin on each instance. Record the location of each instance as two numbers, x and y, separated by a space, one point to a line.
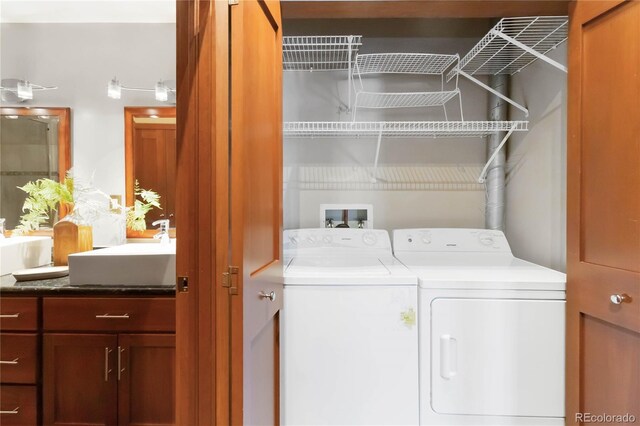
14 362
107 370
10 316
107 316
14 411
618 299
271 296
120 369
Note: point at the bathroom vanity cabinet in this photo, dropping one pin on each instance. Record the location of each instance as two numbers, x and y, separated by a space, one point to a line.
88 359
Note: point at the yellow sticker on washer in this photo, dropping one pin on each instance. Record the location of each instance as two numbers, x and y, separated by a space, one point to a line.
408 317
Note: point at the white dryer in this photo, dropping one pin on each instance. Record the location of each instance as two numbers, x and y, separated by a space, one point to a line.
492 330
349 340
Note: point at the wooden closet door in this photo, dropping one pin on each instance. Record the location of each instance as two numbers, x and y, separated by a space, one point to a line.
256 209
603 259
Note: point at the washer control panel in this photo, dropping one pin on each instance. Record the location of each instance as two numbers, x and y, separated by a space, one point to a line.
344 238
450 240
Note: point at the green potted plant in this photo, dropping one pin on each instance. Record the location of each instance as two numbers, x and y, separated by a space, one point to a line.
45 197
137 213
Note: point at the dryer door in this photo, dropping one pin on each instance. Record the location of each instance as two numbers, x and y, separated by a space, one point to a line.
501 357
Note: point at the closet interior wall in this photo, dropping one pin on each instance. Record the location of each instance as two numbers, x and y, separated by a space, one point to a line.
537 166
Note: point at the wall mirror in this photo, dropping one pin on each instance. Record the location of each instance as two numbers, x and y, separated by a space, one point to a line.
135 50
34 144
150 160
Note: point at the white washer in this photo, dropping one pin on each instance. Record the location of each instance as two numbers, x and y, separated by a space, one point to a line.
349 330
492 330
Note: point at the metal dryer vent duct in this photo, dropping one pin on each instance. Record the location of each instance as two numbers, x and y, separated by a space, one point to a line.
495 183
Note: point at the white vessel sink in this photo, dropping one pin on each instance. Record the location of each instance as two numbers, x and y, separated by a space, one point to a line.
18 253
129 264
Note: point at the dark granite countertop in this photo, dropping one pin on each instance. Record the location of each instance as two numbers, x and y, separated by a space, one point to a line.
61 286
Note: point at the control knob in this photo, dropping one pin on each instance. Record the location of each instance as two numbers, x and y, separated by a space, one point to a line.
369 238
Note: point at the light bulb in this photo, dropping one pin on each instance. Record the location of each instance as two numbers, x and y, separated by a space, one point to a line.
114 90
162 92
25 91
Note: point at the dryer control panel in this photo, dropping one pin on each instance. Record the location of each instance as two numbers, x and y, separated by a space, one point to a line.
450 240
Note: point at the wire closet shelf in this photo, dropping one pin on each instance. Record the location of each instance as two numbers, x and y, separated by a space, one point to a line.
513 44
319 53
426 64
400 129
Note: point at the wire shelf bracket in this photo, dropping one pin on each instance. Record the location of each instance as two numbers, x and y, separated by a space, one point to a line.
495 92
485 169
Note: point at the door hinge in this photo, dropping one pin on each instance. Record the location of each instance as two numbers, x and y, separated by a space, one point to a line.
233 2
183 284
230 279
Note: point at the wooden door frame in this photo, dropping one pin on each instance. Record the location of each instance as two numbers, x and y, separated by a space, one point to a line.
202 200
203 351
64 141
130 114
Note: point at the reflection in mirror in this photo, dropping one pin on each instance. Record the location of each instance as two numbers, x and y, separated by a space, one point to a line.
34 144
150 160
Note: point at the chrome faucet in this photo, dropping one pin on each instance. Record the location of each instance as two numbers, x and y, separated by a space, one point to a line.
163 231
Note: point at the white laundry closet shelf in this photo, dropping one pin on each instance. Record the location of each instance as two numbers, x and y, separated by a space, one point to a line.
433 177
319 53
510 46
400 129
426 64
403 63
513 44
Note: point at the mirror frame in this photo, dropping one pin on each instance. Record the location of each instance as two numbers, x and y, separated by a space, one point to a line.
130 113
64 141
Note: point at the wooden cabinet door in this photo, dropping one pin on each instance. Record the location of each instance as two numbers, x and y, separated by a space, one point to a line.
146 380
256 209
603 259
79 379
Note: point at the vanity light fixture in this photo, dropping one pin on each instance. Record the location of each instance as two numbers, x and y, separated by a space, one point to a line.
114 90
161 90
23 89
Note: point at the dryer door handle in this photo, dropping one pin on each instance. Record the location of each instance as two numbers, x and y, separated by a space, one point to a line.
448 356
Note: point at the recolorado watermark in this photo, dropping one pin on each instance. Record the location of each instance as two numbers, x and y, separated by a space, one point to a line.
605 418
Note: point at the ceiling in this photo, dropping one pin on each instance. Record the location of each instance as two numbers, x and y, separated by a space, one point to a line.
87 11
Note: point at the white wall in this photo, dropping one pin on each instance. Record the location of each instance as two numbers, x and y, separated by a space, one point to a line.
80 59
318 96
536 166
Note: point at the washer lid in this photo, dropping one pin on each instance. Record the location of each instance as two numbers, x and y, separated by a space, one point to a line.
333 266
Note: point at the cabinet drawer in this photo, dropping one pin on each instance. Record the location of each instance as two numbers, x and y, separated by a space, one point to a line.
19 313
18 354
18 405
596 294
109 314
